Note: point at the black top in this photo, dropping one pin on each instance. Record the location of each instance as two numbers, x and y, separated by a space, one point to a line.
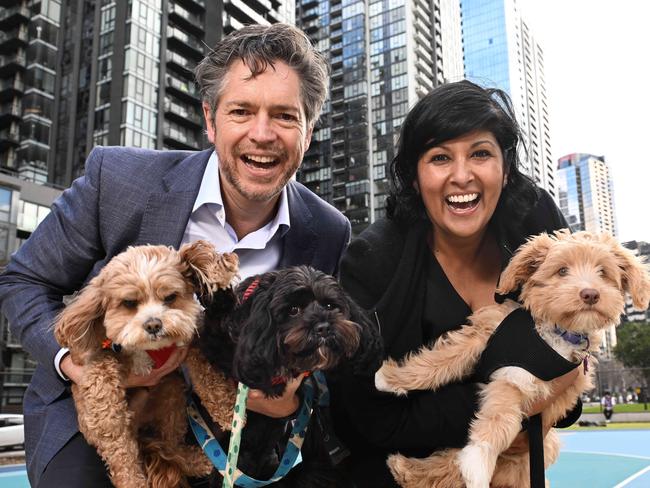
386 270
444 309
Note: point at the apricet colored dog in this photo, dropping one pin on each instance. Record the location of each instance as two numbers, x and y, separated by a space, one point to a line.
571 284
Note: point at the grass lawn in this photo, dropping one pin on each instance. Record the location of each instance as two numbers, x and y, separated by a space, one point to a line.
625 407
613 426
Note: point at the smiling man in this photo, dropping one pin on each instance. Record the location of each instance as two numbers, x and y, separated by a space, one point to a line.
262 89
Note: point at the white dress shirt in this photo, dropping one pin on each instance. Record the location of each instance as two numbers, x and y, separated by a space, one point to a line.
260 251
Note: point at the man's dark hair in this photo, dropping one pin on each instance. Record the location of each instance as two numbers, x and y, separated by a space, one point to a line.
259 47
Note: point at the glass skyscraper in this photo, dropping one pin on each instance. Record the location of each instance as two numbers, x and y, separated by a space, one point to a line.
384 55
586 193
500 51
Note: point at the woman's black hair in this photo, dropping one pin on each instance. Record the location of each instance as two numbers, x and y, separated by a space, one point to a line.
450 111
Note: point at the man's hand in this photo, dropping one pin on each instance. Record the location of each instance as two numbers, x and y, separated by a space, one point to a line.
558 385
280 407
76 372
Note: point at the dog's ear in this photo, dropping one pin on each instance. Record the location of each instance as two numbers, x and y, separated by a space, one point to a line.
207 269
525 262
257 354
80 326
369 355
634 273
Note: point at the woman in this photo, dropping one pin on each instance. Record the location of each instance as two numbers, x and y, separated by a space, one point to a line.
458 208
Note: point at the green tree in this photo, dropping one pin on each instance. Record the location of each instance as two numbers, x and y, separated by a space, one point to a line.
633 347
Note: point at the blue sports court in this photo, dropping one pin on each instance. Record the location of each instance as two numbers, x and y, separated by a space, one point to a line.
596 459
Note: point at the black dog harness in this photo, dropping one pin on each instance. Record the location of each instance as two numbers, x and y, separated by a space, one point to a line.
516 343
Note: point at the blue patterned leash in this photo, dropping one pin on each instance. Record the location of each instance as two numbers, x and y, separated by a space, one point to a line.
227 464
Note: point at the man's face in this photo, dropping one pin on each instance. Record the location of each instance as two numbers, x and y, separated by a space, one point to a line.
259 132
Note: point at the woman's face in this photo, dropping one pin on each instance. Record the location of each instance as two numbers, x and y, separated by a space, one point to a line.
460 182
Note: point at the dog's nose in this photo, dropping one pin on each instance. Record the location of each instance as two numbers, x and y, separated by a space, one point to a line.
152 325
322 328
589 296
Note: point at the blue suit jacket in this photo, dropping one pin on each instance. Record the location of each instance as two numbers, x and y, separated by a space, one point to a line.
126 197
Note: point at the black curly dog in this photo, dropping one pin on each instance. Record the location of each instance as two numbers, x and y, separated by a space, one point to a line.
292 320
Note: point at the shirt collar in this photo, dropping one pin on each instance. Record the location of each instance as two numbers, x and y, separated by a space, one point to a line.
210 193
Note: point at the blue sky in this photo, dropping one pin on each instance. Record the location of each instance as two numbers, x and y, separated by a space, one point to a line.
597 60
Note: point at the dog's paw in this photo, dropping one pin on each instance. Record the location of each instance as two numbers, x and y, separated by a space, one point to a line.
474 461
383 381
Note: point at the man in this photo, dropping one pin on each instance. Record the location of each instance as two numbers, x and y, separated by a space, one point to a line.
262 89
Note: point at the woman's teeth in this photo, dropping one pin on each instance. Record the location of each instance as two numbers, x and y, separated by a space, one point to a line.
463 202
470 197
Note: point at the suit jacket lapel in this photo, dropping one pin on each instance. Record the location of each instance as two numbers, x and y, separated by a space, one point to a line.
167 212
300 242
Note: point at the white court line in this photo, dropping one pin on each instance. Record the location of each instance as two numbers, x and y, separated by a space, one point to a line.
616 454
633 477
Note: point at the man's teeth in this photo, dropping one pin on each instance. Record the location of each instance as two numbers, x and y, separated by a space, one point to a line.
260 159
462 198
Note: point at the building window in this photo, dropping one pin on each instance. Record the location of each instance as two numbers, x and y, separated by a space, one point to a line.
5 204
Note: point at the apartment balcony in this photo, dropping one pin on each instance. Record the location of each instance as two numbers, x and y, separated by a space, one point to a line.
16 377
308 3
9 138
310 27
182 113
262 7
190 21
180 139
10 3
193 5
13 17
183 89
184 43
11 88
11 64
10 112
13 40
180 63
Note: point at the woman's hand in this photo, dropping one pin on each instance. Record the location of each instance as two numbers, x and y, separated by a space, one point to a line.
279 407
76 372
558 385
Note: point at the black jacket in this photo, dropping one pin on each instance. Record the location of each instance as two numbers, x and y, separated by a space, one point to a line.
383 271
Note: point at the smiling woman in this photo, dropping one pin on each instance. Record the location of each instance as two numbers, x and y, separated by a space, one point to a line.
459 206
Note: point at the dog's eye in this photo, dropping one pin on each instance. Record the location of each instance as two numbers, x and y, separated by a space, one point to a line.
130 303
170 298
294 311
329 306
563 271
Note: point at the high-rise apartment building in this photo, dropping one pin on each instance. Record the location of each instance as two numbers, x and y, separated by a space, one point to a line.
28 52
500 51
586 193
29 34
384 55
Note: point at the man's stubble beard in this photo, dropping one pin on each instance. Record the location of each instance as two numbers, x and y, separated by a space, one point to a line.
235 182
